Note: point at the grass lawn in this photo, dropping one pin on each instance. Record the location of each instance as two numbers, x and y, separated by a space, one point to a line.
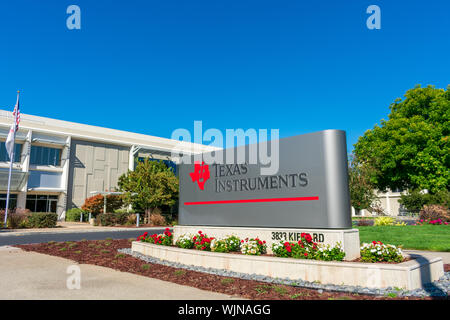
433 238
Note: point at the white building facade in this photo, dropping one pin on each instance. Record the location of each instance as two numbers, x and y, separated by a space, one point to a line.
388 202
58 164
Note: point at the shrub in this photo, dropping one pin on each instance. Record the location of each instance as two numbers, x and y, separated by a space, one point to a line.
234 243
185 242
74 214
17 218
202 242
253 246
112 219
384 221
376 251
364 223
165 239
157 219
435 212
305 248
415 200
131 219
220 245
436 222
42 220
95 203
328 253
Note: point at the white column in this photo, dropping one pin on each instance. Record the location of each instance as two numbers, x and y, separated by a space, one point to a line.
388 204
25 164
65 163
133 150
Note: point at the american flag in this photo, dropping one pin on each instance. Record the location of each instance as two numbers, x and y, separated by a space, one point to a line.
16 109
9 143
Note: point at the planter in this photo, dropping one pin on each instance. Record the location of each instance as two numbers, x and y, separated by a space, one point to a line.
349 238
407 275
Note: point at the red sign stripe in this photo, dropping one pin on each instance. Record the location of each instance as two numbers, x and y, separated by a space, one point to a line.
252 200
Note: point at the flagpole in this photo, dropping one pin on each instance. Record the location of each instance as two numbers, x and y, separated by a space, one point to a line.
11 164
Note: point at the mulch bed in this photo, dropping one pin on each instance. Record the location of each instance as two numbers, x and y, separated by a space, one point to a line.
104 253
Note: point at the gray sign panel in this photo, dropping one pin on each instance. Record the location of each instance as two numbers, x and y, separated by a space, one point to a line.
310 189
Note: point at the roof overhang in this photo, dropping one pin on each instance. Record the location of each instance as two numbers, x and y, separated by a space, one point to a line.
18 180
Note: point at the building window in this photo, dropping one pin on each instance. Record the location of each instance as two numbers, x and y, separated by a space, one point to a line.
12 201
41 203
45 156
4 155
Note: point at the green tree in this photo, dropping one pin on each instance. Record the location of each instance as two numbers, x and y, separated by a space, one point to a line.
151 185
362 190
410 150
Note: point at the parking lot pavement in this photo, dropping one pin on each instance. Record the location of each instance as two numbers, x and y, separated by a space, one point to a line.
31 275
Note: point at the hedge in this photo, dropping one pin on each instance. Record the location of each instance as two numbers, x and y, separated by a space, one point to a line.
42 220
112 219
74 215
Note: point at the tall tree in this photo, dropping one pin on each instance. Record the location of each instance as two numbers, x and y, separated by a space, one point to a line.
151 185
410 150
362 191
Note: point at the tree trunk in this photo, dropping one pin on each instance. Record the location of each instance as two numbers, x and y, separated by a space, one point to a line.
148 212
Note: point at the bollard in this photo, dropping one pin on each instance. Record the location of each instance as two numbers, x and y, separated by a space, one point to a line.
81 217
137 219
90 216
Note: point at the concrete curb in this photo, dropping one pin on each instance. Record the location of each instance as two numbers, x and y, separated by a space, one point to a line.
68 230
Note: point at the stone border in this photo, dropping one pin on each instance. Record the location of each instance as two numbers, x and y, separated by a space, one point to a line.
409 275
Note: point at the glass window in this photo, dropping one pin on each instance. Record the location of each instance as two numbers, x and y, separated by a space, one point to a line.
45 156
12 201
4 155
42 203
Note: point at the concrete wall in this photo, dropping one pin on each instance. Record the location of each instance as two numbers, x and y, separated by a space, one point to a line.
94 167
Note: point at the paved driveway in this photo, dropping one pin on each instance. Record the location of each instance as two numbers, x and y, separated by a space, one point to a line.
31 275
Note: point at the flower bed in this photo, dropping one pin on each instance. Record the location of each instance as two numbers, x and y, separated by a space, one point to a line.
435 222
379 252
408 275
305 248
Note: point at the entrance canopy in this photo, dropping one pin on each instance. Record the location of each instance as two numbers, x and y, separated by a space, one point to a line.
18 180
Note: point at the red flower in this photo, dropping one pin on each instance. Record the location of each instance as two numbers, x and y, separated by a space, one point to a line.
288 249
308 237
306 254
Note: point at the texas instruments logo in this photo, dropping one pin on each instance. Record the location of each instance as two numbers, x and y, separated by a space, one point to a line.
200 174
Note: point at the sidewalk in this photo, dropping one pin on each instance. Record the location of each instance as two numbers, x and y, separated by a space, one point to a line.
31 275
63 226
431 254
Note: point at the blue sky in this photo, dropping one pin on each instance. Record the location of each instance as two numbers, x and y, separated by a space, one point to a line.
152 66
